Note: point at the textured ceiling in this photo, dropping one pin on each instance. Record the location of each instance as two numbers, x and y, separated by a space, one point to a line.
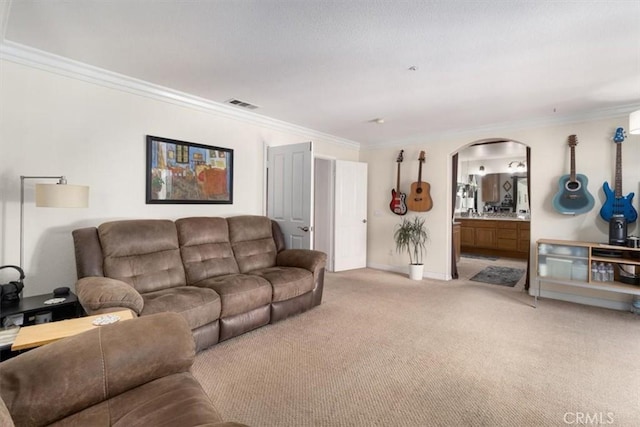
333 66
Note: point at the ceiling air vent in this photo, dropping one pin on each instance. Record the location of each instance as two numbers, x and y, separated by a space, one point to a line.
242 104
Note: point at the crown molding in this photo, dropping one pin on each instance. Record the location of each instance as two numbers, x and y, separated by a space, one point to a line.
56 64
502 128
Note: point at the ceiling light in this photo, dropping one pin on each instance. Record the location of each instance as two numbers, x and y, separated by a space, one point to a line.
413 68
379 120
634 123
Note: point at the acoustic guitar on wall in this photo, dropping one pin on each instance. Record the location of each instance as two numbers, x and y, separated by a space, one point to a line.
616 203
419 199
398 198
573 197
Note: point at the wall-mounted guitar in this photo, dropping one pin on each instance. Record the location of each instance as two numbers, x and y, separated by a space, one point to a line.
419 199
616 203
573 197
398 205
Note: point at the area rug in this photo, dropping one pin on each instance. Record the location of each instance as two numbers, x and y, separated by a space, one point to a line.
504 276
474 256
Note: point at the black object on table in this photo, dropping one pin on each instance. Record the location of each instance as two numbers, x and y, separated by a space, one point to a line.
29 307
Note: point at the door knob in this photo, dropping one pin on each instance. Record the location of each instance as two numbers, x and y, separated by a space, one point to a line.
305 228
364 221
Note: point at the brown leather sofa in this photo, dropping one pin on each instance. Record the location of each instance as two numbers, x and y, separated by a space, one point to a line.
225 276
125 374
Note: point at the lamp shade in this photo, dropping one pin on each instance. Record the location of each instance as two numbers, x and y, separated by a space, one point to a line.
634 123
62 196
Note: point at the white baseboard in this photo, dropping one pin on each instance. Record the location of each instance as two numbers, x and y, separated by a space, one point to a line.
578 299
405 270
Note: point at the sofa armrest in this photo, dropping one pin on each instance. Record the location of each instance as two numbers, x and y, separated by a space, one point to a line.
52 382
103 294
302 258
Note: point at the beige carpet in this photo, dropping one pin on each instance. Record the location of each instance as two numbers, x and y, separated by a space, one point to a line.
383 350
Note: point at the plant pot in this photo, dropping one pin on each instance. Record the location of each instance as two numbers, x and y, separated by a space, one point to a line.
416 271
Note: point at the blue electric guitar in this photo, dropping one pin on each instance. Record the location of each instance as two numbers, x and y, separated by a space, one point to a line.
573 197
616 203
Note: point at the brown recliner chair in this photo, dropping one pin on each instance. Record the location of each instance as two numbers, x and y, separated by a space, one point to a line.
132 373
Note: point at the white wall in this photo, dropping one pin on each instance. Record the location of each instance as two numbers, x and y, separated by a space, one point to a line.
595 157
52 124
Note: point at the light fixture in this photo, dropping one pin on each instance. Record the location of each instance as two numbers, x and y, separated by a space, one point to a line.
634 123
519 166
60 195
481 171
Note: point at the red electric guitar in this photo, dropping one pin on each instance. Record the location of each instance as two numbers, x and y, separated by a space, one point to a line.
398 205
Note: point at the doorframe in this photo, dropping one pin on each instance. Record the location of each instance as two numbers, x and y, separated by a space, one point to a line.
451 211
331 205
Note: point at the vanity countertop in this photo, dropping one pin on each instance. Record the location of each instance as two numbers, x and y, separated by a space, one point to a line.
494 217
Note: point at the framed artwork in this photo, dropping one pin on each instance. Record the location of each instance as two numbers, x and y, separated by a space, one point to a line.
185 172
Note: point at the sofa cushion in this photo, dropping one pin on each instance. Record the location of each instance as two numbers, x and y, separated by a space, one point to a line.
205 248
198 306
287 282
239 293
143 253
252 242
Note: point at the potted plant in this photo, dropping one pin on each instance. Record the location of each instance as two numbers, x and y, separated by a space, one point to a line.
411 236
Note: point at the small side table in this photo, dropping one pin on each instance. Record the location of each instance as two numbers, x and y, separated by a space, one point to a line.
30 306
37 335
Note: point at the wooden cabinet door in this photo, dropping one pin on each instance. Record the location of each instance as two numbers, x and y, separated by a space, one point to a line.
485 237
523 238
467 236
456 241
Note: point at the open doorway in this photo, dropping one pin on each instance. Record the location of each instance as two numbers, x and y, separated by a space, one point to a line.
491 212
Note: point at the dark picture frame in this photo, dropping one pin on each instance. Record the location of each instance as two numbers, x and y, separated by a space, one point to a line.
186 172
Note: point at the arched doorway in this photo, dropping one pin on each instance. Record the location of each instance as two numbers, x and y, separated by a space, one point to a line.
491 212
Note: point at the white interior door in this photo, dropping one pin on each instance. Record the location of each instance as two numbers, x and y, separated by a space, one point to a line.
350 233
323 208
289 192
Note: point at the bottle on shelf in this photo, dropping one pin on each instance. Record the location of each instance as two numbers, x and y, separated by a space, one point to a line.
594 271
602 272
610 272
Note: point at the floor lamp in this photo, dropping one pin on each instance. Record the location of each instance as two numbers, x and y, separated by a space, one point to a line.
60 195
